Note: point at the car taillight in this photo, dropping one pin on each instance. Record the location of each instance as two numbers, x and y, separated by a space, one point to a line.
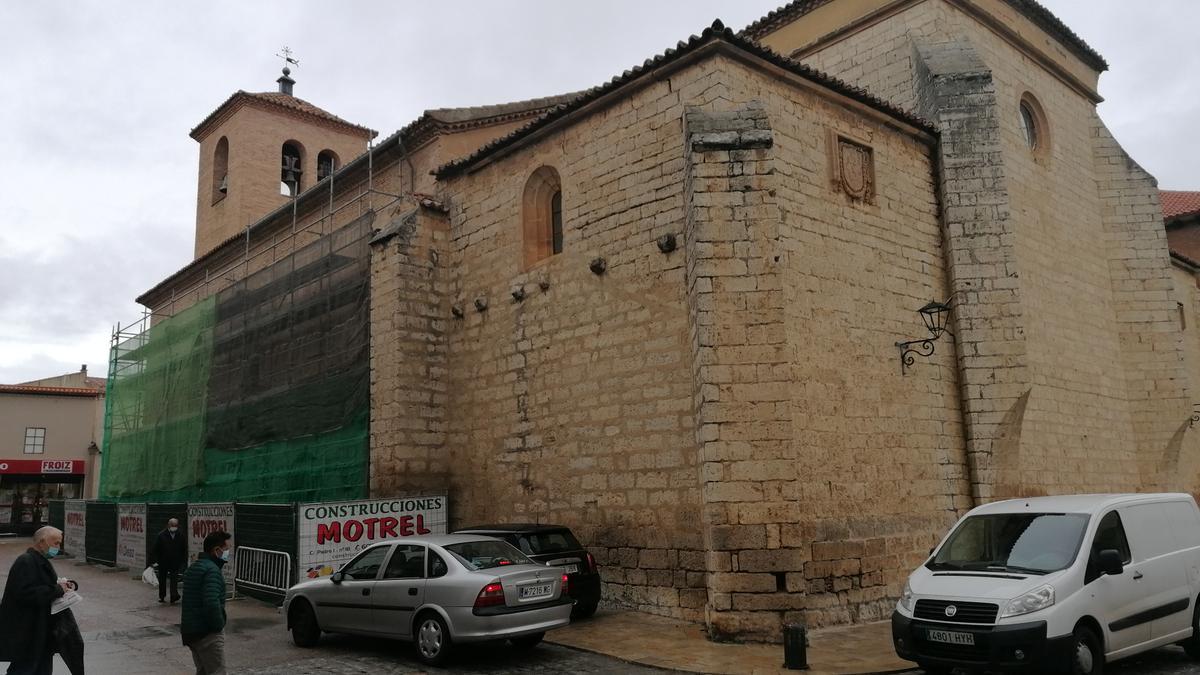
491 596
565 585
591 563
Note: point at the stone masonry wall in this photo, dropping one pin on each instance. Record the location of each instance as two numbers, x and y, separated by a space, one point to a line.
1087 394
572 404
875 469
409 322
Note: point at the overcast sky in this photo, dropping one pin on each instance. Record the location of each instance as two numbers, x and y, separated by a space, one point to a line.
98 199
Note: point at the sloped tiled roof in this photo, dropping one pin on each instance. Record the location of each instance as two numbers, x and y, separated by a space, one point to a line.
718 32
487 112
281 101
1177 203
1032 10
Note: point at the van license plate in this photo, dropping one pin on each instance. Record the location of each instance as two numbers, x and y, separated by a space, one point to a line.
538 591
950 637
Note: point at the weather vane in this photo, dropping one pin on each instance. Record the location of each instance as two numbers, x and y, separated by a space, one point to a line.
286 55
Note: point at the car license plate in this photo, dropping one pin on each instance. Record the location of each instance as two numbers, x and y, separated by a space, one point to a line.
950 637
571 569
541 590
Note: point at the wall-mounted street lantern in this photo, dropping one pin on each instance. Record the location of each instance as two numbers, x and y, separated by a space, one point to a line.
934 314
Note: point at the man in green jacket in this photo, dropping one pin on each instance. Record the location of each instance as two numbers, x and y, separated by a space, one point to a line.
203 616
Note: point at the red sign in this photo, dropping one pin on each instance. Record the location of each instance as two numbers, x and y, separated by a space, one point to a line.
40 466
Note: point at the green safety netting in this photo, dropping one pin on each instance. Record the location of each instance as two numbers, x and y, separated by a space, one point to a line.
258 393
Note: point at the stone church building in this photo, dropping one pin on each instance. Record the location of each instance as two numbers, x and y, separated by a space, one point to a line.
665 311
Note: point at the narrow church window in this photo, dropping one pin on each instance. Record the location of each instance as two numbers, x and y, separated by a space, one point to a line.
220 174
327 163
541 216
1029 126
556 221
1182 316
291 169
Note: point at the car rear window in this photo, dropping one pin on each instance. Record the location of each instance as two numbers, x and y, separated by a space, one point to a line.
543 543
486 554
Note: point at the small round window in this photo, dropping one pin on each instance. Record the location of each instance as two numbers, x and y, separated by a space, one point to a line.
1029 125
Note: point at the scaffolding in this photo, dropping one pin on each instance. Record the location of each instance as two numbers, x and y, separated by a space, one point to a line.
259 391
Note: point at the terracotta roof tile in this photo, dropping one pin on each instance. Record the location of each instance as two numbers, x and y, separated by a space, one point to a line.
1177 203
278 100
48 391
714 33
1032 10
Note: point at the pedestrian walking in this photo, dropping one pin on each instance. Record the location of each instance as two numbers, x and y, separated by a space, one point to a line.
170 554
26 625
203 616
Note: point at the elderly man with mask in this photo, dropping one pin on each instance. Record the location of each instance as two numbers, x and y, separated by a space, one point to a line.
26 633
170 552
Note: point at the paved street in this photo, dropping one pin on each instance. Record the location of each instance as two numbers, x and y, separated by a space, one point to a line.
126 632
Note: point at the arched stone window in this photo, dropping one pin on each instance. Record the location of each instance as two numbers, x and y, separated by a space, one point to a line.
220 174
291 169
542 216
327 163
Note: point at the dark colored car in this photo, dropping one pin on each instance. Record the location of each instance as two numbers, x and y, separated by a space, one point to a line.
553 545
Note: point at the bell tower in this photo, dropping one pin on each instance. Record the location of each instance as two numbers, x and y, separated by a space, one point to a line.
260 150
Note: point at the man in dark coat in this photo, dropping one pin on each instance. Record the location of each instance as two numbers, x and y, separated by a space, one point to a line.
202 621
26 635
170 552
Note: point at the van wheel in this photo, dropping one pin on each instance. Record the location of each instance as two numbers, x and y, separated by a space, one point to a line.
1192 644
1087 656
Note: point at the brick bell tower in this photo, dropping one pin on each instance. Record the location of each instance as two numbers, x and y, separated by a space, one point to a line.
260 150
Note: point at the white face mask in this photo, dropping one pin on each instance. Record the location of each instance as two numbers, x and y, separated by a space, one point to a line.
172 529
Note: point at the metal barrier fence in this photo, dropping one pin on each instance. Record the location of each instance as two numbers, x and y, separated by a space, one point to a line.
263 569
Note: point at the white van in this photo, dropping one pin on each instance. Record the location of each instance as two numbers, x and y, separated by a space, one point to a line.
1057 584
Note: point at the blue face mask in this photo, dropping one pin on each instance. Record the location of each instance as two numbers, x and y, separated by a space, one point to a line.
52 552
225 555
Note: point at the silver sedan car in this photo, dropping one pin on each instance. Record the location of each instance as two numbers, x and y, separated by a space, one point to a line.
435 591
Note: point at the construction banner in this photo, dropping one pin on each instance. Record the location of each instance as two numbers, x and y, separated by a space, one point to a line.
131 536
74 528
203 520
332 533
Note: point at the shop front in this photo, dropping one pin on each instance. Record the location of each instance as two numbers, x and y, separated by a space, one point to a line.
27 486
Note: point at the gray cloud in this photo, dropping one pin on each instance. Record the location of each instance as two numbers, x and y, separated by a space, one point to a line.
97 203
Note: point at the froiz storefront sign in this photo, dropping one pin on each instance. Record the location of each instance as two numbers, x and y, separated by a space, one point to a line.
332 533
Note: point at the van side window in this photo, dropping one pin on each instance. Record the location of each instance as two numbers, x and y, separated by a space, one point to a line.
1109 535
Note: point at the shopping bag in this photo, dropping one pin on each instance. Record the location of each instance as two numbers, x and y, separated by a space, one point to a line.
150 577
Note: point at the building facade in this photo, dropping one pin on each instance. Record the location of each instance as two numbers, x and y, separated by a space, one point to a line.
666 311
53 432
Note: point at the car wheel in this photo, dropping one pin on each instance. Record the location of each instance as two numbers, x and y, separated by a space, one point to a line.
1087 657
305 631
528 641
432 639
584 610
1192 644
